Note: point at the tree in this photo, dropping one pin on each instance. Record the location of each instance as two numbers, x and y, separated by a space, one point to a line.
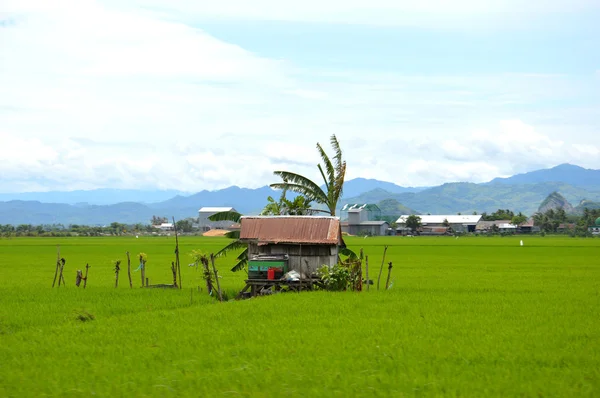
413 222
236 243
184 225
156 220
300 206
333 173
518 220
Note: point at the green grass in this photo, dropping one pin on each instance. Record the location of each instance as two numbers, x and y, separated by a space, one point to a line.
465 317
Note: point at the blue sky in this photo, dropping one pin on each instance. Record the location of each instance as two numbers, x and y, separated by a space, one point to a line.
203 95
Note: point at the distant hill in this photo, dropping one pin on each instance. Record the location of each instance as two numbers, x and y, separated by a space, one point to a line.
358 186
555 201
32 212
565 173
466 198
391 207
244 200
586 204
93 197
523 192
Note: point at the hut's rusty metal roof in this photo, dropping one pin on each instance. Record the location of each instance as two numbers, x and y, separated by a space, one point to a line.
292 229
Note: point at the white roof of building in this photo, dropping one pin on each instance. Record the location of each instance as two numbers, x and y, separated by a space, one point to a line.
439 219
166 225
215 209
507 226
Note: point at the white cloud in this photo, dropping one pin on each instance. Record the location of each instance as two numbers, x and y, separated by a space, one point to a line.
106 95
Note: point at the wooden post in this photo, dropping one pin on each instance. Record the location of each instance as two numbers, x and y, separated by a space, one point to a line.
60 275
367 270
78 278
207 275
117 269
174 271
142 269
57 264
212 260
129 270
387 283
87 266
381 269
177 253
147 282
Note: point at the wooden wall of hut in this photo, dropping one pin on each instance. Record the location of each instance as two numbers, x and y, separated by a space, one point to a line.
305 259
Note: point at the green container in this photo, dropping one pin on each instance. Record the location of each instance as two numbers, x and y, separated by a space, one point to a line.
257 269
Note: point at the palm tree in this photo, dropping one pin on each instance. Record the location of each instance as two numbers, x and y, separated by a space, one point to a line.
333 174
236 244
299 206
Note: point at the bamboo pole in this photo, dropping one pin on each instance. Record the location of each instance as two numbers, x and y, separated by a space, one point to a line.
57 264
87 266
177 253
387 283
212 260
381 269
129 270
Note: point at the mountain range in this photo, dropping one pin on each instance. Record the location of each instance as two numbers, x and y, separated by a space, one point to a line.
522 192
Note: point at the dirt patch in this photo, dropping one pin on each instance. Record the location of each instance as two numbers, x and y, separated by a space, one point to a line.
215 232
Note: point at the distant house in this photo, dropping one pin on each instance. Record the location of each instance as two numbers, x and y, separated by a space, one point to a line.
363 219
304 243
505 226
434 224
528 227
166 226
595 229
204 224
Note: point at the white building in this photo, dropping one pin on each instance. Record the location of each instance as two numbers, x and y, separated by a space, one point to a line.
166 226
205 224
435 223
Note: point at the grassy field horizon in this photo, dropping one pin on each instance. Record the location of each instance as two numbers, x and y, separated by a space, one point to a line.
474 316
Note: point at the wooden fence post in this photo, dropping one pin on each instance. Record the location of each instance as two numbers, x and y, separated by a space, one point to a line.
367 271
129 270
381 269
60 275
212 260
174 271
117 269
87 266
78 278
177 253
57 264
387 283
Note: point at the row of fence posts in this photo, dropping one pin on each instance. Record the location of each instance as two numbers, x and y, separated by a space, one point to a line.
387 282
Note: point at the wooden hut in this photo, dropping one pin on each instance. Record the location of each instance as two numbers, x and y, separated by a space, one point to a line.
302 243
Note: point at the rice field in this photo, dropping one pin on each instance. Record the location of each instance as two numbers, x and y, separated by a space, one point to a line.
467 317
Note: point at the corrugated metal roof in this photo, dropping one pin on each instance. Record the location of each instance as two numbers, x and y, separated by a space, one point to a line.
292 229
438 219
489 224
215 209
371 223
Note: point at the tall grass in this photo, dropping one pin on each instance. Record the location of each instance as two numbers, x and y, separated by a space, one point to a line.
464 317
